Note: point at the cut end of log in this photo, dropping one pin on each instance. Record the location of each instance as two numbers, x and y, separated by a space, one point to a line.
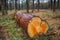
44 27
34 26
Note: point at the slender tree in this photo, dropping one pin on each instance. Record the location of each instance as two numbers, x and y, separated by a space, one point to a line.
38 4
22 4
58 3
51 4
54 5
15 4
10 4
4 6
19 4
33 5
42 4
0 5
27 5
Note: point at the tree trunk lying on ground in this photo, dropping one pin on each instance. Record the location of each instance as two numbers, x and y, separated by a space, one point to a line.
33 25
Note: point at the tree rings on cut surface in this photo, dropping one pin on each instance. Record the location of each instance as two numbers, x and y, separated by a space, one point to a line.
37 26
34 26
44 27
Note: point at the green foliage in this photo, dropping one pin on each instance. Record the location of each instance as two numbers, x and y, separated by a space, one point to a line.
14 32
45 38
19 29
4 21
51 27
11 27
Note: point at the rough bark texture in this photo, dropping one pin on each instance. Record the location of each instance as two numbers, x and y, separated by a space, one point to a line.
4 7
54 6
27 5
23 19
58 4
33 6
51 3
38 4
15 4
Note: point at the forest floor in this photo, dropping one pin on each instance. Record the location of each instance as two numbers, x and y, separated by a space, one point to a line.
9 30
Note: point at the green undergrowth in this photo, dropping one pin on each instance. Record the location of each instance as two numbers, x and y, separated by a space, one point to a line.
14 32
18 33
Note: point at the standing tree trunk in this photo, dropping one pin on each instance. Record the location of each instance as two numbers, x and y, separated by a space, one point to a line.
27 5
38 5
6 3
51 4
10 4
33 6
19 4
0 5
54 5
22 4
58 4
4 6
15 4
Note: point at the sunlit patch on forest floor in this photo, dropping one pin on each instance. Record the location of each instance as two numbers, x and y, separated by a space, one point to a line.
9 30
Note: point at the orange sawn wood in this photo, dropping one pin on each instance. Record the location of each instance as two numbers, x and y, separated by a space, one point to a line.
33 25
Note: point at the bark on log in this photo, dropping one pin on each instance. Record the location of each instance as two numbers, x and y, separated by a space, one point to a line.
33 25
23 19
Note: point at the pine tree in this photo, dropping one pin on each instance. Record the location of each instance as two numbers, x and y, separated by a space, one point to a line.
54 5
38 5
33 5
27 5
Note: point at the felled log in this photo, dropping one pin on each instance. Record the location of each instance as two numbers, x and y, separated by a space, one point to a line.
32 24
